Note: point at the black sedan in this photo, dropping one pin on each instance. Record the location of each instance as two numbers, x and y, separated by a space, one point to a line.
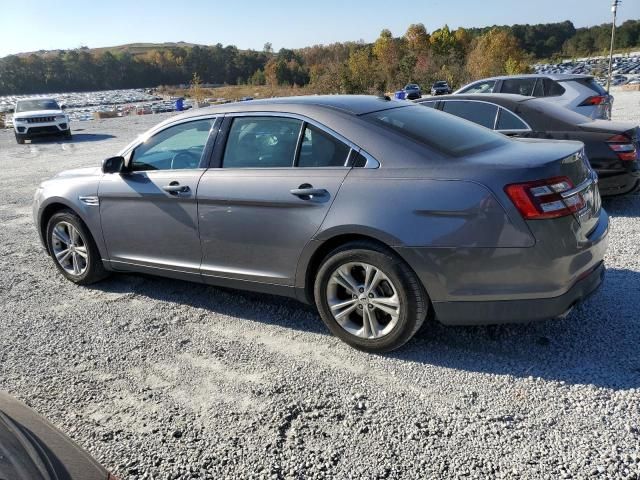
33 449
440 88
612 147
412 91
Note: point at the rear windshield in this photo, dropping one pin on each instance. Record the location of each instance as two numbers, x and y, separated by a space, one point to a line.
446 133
591 84
30 105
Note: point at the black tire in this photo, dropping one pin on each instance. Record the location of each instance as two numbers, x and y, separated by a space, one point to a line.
67 134
413 300
19 138
94 270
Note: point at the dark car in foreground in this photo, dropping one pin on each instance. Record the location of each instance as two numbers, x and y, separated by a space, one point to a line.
611 147
378 211
412 91
440 88
33 449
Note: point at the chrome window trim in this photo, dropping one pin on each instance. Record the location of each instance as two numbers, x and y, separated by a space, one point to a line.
370 159
495 122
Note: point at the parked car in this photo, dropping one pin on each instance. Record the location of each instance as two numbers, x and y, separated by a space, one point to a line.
33 449
376 210
412 91
580 93
39 116
440 88
611 147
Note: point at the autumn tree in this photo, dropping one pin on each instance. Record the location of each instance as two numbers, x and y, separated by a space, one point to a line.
417 39
387 53
496 53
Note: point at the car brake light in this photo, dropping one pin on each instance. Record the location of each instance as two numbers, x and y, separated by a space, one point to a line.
595 100
544 198
624 147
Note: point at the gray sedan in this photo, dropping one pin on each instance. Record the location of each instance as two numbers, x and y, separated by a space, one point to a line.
379 212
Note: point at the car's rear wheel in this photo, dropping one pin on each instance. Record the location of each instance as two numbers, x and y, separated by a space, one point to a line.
73 249
19 138
369 297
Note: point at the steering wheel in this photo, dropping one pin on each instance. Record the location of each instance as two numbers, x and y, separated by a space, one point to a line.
185 159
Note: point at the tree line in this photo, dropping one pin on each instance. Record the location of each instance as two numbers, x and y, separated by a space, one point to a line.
457 56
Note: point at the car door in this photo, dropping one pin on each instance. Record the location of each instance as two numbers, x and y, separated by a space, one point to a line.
272 186
149 212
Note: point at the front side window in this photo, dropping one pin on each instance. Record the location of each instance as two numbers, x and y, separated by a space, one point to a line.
480 87
444 133
477 112
319 149
261 142
519 86
174 148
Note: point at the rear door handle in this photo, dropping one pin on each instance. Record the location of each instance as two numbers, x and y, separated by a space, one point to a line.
175 188
309 192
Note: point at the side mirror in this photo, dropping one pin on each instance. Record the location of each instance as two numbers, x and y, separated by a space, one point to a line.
63 107
113 165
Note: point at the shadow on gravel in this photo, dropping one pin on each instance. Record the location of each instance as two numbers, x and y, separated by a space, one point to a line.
264 308
77 138
623 206
596 345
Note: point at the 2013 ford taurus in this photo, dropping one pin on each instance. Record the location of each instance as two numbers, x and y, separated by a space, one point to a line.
378 211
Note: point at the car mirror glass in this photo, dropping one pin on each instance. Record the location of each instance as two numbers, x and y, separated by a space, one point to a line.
113 165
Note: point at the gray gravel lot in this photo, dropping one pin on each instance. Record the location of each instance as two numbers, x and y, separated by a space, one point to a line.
166 379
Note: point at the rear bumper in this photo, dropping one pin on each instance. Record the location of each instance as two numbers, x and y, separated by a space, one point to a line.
621 184
520 311
479 286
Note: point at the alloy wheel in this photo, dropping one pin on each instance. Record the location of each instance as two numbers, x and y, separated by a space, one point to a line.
363 300
69 248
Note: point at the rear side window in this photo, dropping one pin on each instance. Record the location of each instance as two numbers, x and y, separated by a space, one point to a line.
319 149
477 112
519 86
508 121
444 133
552 88
261 142
480 87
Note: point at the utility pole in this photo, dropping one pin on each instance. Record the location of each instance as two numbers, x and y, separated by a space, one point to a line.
614 10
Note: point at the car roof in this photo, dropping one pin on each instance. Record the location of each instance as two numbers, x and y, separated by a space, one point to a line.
348 104
499 98
553 76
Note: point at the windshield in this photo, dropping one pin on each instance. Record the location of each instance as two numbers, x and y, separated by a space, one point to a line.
440 84
38 104
437 129
411 86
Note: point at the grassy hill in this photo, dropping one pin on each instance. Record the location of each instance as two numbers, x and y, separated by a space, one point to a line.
132 48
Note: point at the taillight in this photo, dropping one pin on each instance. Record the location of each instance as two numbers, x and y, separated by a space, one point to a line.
624 147
595 100
544 198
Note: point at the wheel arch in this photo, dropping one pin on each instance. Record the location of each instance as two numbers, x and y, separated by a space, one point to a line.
319 248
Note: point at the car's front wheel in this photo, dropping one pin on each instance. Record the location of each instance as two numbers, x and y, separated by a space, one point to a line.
73 250
369 297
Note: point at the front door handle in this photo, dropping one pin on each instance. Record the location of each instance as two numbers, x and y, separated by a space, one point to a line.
175 188
307 192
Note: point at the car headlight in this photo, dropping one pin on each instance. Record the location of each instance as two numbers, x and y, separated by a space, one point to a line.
20 120
61 117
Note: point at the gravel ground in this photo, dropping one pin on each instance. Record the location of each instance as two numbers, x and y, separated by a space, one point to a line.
166 379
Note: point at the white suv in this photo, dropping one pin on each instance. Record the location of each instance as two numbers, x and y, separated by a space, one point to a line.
39 116
580 93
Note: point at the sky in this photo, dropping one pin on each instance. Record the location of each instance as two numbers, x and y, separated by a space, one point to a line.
30 25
